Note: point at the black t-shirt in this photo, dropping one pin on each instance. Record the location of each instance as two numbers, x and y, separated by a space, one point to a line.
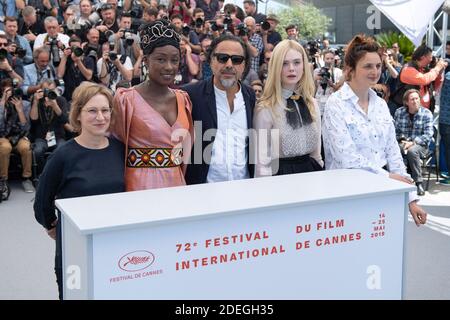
73 76
49 121
75 171
273 38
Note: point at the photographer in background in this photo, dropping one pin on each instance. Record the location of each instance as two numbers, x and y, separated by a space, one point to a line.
250 11
185 32
39 70
422 75
253 41
30 25
14 127
45 7
10 66
326 79
75 67
198 23
268 33
205 68
48 116
209 7
414 130
22 47
184 8
53 40
189 65
114 70
127 42
108 25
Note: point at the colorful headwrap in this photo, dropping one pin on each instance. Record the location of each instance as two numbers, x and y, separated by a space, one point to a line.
158 34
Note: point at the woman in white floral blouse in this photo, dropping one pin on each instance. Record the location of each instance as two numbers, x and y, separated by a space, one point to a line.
358 130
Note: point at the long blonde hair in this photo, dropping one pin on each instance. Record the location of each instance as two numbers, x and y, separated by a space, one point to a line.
272 95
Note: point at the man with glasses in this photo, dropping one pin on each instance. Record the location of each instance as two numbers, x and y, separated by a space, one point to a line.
10 68
222 107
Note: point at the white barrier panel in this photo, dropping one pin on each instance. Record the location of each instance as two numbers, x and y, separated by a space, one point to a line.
323 235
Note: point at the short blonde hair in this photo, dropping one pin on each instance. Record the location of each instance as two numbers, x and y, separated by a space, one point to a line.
82 94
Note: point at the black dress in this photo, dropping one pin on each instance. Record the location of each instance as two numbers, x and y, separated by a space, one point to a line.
75 171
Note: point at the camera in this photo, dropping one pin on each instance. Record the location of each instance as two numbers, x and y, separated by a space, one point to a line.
215 26
3 54
50 94
20 52
16 91
227 21
185 30
128 37
265 25
199 22
242 30
312 47
90 51
77 51
112 55
325 74
54 50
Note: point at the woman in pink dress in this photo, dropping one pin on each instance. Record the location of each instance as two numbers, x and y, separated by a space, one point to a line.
153 121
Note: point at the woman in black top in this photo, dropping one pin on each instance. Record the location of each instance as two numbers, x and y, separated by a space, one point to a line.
89 164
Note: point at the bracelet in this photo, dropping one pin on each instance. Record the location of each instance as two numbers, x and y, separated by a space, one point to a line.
9 71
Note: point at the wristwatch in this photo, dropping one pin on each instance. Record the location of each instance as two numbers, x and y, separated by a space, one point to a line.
10 70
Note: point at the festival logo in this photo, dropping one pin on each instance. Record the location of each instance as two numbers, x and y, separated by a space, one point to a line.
136 261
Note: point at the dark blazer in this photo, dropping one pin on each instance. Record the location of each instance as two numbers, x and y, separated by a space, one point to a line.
204 109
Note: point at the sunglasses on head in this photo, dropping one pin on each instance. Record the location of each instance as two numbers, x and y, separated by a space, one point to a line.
223 58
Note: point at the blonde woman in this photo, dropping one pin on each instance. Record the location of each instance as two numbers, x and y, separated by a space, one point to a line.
77 168
287 119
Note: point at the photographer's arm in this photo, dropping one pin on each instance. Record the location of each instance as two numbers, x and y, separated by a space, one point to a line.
138 65
34 114
104 75
87 73
62 64
192 66
127 74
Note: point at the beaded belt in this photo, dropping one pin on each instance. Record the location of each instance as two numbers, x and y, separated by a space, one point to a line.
154 157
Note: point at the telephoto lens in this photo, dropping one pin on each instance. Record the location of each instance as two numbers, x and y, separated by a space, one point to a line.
77 51
50 94
265 25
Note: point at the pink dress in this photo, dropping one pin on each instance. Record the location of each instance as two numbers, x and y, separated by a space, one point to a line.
153 157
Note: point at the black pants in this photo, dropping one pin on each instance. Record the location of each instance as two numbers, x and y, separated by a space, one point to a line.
292 165
40 148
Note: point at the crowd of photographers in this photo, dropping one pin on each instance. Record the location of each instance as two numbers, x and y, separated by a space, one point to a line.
47 48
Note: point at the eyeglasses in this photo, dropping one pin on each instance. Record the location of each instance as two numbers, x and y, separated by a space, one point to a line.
93 112
223 58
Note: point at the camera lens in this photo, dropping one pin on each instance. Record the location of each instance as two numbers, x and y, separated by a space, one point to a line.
3 54
77 51
265 25
112 56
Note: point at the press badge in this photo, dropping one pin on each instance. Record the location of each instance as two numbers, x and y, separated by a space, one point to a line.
51 139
